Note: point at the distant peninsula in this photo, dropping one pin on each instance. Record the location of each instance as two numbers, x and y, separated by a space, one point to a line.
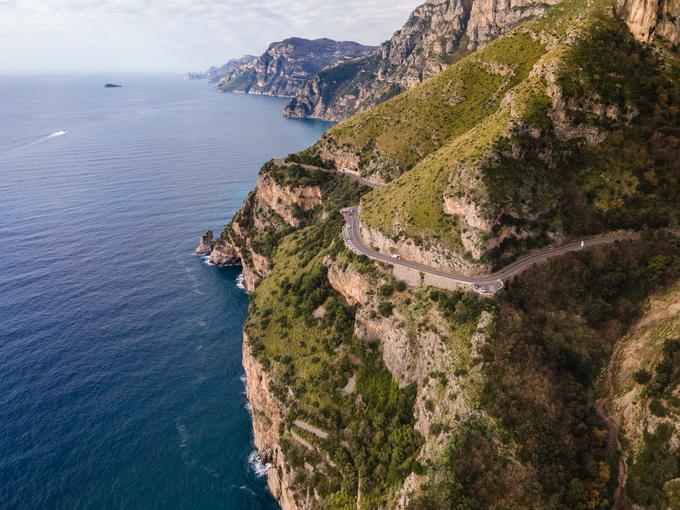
112 86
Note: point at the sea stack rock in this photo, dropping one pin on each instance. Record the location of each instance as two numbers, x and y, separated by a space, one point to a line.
206 245
224 254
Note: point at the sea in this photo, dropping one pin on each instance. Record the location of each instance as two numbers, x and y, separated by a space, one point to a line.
121 385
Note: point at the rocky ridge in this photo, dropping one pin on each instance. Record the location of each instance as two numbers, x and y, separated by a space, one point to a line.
214 74
651 20
437 34
336 344
286 65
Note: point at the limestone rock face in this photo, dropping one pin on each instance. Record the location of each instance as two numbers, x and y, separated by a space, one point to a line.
271 208
205 247
652 19
284 67
285 201
352 285
431 256
268 413
437 34
224 255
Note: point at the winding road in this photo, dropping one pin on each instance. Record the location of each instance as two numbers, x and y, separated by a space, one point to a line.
350 175
488 285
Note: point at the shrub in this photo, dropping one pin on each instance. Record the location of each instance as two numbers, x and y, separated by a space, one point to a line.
642 376
386 308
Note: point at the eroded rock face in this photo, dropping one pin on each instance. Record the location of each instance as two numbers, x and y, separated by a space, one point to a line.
432 256
437 34
284 67
269 209
205 247
285 201
224 254
353 286
268 412
652 19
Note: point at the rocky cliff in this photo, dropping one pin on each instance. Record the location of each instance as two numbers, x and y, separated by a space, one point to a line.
643 381
286 65
373 393
653 19
215 74
287 196
468 155
268 414
437 34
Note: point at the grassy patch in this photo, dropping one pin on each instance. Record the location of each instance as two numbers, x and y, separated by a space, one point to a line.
406 129
372 441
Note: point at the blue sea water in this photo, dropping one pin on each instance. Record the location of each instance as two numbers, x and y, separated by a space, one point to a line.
120 350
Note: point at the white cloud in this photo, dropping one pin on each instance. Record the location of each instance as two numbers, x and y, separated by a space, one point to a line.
177 34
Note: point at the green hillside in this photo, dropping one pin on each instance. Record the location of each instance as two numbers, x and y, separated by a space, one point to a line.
429 399
565 127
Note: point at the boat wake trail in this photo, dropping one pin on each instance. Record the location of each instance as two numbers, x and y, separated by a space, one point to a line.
30 142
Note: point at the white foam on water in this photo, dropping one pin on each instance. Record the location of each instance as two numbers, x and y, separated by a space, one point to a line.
256 464
249 407
206 260
243 378
31 142
239 282
247 489
183 434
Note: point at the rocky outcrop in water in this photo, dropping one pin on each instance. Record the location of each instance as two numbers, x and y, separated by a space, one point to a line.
205 247
437 34
286 65
221 254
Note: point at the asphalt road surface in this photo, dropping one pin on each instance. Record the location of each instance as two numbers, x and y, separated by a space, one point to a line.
486 285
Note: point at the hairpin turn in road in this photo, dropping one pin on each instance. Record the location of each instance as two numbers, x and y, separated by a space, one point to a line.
488 285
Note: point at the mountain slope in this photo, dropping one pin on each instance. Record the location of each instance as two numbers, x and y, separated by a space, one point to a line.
437 34
370 392
497 156
644 376
286 65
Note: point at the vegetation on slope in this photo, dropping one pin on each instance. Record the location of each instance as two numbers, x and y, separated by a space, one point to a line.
402 131
555 328
600 155
645 381
373 444
575 134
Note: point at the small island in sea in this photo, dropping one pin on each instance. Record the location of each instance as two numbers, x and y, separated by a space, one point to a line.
112 86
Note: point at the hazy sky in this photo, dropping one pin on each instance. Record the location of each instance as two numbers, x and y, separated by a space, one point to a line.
177 35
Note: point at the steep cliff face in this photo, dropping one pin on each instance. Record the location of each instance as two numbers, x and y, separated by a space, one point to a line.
644 384
268 413
493 155
287 196
436 34
652 19
378 394
286 65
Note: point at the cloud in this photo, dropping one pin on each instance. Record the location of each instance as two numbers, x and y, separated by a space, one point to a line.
179 34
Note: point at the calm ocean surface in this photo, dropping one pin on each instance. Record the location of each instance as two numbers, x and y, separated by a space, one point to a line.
120 351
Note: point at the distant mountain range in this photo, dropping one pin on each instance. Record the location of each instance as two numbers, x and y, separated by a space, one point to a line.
436 35
214 74
284 67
